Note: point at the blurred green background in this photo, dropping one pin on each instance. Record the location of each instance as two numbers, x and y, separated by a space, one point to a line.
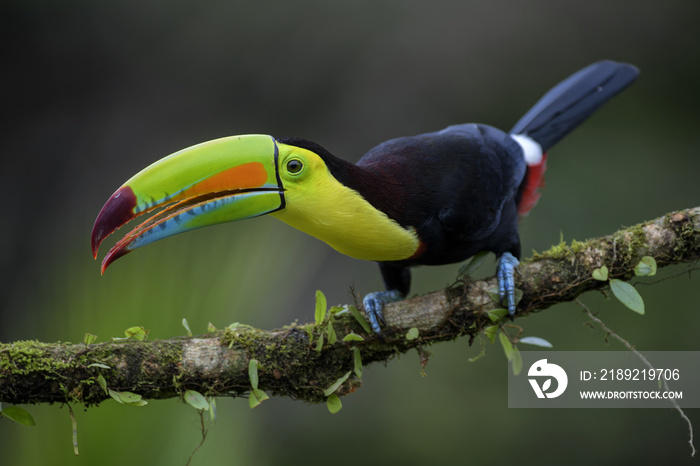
94 91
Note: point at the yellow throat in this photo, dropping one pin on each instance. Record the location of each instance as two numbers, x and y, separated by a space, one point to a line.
321 206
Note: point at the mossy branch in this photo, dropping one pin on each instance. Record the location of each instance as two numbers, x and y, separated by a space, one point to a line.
291 363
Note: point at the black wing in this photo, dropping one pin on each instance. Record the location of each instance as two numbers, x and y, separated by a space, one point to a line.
457 188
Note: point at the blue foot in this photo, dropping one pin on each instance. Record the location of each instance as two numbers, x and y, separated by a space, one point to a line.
374 304
505 272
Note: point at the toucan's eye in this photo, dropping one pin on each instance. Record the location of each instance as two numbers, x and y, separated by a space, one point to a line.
294 166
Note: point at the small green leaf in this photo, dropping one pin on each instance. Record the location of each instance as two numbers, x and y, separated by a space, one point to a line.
601 274
494 295
115 396
212 409
471 266
136 333
333 403
332 337
253 373
646 267
360 319
321 306
627 295
89 338
357 358
490 333
187 326
127 398
19 415
412 334
337 310
101 366
517 361
211 328
261 395
103 383
253 400
196 400
336 385
256 397
507 345
518 295
536 341
319 343
497 314
353 337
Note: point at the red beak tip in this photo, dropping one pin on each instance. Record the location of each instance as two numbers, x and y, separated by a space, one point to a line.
117 211
113 254
105 263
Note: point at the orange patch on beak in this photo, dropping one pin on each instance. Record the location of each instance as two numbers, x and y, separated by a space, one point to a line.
247 176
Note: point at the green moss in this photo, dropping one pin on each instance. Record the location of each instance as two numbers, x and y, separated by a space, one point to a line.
39 362
559 251
26 357
30 368
636 244
577 246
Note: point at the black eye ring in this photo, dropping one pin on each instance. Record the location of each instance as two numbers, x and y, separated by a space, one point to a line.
294 166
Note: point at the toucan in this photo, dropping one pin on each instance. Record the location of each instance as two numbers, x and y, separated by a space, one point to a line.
432 199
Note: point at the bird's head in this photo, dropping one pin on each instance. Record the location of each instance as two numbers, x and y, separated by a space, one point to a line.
218 181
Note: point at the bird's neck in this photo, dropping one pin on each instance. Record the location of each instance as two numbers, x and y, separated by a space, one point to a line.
378 187
337 212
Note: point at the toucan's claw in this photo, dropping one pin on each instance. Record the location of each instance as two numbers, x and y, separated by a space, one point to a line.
505 273
374 305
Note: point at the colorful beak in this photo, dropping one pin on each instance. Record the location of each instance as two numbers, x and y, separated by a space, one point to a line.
214 182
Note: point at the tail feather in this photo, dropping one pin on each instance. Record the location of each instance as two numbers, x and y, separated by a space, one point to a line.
573 100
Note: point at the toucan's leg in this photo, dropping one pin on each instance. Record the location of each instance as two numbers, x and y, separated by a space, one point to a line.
398 283
374 304
505 272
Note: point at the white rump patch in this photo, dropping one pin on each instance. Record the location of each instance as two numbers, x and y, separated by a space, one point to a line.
531 149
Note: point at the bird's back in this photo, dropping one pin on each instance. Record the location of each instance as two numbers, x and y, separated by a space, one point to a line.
455 185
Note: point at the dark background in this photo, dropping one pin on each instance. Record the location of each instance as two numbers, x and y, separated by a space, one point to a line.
93 93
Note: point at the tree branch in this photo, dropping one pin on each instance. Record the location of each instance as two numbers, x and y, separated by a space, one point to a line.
291 362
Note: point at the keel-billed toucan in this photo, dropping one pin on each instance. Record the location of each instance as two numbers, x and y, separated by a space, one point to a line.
436 198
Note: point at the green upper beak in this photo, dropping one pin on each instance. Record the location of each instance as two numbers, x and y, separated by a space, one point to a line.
218 181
